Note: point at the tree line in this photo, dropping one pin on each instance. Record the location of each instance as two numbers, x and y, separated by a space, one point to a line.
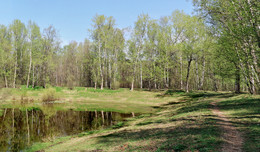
217 49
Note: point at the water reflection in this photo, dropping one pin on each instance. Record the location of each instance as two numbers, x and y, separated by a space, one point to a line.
21 128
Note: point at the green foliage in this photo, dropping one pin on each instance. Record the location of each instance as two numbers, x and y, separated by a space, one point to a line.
115 85
244 111
49 95
236 24
159 54
118 125
58 89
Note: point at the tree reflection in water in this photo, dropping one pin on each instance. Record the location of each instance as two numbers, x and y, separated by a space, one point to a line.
21 128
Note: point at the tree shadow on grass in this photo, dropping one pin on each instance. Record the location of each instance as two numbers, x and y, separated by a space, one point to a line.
194 106
245 114
202 136
195 95
172 103
169 93
204 95
242 107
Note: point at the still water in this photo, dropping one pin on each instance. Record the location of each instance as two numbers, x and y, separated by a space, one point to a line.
21 128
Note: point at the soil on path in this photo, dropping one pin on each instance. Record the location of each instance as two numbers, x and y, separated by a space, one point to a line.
233 140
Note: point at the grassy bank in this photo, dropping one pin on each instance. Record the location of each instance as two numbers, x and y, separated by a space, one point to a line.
121 100
186 123
174 120
180 124
244 113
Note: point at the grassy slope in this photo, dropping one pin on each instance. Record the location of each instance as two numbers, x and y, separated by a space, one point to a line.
244 112
180 121
84 99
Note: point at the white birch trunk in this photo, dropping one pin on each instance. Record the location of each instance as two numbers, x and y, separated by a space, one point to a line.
30 66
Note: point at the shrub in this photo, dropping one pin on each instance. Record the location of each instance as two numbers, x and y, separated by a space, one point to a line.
115 85
49 95
118 125
47 86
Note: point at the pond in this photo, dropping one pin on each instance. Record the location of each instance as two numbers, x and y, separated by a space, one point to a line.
21 128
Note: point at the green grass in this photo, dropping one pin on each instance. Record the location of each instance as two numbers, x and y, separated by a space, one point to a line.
170 120
179 125
244 111
42 145
121 100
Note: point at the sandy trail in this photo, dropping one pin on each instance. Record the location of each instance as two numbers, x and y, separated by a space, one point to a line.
231 136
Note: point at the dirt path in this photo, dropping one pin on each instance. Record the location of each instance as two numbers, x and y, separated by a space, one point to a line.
231 136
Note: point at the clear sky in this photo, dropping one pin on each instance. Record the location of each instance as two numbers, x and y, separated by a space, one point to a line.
72 18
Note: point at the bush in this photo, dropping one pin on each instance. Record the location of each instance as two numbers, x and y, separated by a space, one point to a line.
118 125
49 95
115 85
47 86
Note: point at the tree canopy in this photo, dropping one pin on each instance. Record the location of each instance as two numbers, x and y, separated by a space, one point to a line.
217 49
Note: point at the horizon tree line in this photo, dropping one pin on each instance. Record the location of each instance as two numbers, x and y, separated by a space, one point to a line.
216 50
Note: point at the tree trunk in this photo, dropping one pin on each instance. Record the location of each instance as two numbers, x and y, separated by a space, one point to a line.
155 85
96 115
253 84
30 65
132 86
102 83
103 117
181 72
32 119
4 115
197 75
214 81
33 77
188 74
109 68
149 83
203 74
255 75
15 70
246 77
13 120
141 76
167 77
237 83
28 129
116 70
6 81
133 114
100 66
164 77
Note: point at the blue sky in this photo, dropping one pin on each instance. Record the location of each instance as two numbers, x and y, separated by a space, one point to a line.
72 18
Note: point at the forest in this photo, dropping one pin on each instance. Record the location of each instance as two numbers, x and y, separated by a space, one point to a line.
181 82
217 49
